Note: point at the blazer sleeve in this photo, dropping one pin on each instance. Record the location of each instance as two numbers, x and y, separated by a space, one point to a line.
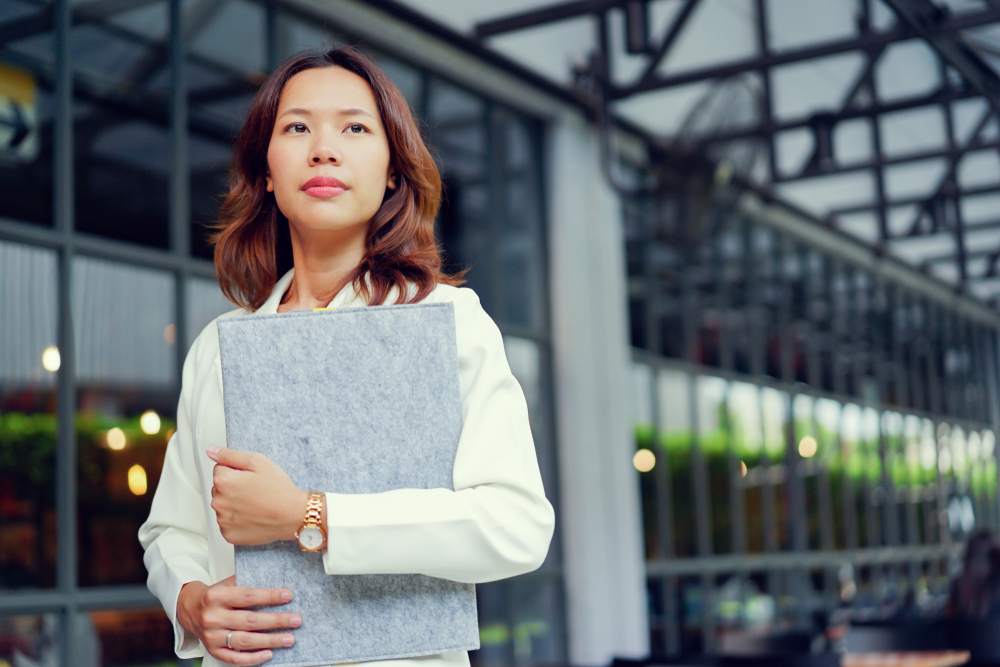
497 522
175 534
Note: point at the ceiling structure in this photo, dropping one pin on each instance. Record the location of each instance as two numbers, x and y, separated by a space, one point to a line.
879 118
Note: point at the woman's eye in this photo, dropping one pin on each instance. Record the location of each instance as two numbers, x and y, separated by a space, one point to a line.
297 128
356 128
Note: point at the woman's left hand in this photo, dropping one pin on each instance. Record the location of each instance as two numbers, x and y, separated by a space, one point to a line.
255 501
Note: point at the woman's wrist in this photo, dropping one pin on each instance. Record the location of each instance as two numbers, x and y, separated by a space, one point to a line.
297 512
187 600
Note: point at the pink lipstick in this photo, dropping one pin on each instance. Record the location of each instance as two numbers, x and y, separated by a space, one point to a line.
323 186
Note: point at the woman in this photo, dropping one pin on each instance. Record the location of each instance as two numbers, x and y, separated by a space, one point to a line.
332 202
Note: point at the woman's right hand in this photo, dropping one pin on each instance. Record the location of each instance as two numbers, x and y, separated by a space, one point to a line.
211 612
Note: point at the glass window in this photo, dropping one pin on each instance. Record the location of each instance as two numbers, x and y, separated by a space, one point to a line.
642 404
526 363
520 249
127 398
226 60
674 439
26 111
205 302
295 35
713 441
409 80
121 133
457 134
30 640
133 637
29 361
538 624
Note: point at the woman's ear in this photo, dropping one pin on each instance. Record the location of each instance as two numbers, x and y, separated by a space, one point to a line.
270 183
391 180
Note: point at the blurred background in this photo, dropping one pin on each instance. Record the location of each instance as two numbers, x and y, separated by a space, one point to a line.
745 256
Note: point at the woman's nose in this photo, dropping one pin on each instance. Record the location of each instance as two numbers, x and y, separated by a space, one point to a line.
324 152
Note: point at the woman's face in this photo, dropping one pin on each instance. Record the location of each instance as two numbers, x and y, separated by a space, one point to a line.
328 160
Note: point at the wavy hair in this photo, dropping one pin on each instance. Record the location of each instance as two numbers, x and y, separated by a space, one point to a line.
252 241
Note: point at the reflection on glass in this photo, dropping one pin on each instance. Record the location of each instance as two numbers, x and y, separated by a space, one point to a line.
408 79
895 461
496 645
745 421
675 438
520 227
28 302
774 407
804 425
126 363
537 628
226 62
642 405
959 452
294 35
205 302
31 640
26 110
713 441
989 463
870 445
457 135
121 131
133 637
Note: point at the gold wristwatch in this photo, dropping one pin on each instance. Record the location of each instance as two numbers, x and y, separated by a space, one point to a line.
311 535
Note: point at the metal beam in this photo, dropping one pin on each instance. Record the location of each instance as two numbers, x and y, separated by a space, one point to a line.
795 560
43 21
668 40
925 18
938 97
861 43
947 185
543 16
909 201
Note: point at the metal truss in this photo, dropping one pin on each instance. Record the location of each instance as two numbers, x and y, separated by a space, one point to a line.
965 74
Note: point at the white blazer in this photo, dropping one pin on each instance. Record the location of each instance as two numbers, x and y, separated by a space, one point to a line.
497 522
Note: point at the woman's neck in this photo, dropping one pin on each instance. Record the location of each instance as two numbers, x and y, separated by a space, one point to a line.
323 261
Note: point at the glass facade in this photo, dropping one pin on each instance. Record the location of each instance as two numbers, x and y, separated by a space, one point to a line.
116 125
823 430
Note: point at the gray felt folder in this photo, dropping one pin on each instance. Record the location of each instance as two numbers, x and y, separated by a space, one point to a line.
360 400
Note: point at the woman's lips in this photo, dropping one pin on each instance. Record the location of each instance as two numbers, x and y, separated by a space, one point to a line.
323 186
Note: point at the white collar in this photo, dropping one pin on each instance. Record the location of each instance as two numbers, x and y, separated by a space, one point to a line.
345 297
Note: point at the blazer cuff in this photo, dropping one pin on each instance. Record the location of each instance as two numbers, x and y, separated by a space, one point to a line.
166 585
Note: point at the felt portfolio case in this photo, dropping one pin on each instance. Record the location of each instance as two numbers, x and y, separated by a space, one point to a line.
358 400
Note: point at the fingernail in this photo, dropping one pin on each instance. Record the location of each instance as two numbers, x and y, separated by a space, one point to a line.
296 621
212 451
288 640
286 596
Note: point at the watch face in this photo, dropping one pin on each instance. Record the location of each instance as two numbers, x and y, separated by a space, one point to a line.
311 538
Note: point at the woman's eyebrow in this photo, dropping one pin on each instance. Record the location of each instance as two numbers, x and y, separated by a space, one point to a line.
353 111
356 111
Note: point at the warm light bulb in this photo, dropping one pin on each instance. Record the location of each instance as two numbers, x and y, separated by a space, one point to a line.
51 360
116 439
808 447
137 480
743 469
644 460
149 422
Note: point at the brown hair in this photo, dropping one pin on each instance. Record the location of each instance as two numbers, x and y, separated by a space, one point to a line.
252 242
